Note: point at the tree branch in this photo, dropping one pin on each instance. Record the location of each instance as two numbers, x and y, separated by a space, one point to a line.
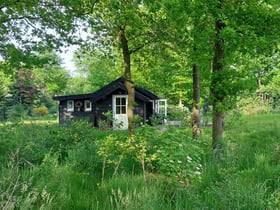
141 46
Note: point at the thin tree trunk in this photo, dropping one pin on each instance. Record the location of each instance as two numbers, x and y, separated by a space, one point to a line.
117 166
216 87
128 82
196 97
143 163
103 169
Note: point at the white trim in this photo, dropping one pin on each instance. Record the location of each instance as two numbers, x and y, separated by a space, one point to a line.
87 109
114 103
70 105
160 107
120 119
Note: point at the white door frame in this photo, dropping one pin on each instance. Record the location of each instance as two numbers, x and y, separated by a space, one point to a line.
120 112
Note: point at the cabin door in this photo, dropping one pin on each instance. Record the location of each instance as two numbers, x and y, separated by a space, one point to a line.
120 112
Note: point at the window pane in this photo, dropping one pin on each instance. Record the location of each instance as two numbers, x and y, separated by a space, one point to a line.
123 101
161 103
118 101
70 105
87 105
123 109
161 110
118 110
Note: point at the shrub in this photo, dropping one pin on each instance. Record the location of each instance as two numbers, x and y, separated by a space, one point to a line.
179 157
178 113
17 112
40 111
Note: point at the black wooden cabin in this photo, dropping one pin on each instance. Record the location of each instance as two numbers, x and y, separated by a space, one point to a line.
111 98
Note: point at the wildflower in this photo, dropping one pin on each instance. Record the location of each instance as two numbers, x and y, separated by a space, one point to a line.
197 172
189 159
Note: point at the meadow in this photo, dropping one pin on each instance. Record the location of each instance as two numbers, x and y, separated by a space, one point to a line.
46 166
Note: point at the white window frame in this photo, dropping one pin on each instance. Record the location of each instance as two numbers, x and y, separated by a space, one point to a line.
159 106
70 105
87 109
120 105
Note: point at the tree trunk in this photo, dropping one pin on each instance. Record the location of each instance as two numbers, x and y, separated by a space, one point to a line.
217 89
196 97
127 76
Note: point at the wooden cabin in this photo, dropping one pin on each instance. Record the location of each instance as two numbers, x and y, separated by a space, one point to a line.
111 98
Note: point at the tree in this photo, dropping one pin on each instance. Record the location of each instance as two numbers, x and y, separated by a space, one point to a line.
196 100
5 82
224 31
51 77
97 68
48 22
22 94
243 27
190 35
129 25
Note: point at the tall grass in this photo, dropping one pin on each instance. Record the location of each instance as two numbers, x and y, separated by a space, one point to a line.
45 166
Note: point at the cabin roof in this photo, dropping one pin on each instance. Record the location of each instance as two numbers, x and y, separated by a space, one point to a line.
118 84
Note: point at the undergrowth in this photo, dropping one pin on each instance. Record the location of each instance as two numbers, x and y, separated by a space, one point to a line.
45 166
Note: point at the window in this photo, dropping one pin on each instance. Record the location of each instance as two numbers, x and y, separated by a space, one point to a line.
161 107
70 106
87 105
121 105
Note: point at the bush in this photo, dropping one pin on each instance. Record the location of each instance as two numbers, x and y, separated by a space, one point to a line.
179 113
18 112
41 111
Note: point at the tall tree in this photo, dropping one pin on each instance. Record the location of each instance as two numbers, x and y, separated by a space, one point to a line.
129 25
191 35
243 27
224 31
196 100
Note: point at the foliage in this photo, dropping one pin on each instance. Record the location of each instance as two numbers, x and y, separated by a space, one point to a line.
35 24
47 165
17 189
97 68
40 111
178 113
179 160
24 90
17 112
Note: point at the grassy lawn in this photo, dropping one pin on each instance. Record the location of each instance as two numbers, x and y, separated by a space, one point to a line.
78 167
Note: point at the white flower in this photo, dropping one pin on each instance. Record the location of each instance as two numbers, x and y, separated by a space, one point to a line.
197 172
171 161
179 161
189 159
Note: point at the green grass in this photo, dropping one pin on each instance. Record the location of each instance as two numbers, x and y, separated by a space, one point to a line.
51 167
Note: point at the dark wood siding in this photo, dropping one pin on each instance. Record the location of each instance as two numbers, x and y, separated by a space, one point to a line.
100 108
102 103
139 109
79 113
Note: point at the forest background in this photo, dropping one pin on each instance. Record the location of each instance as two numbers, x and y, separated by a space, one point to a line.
184 51
163 49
